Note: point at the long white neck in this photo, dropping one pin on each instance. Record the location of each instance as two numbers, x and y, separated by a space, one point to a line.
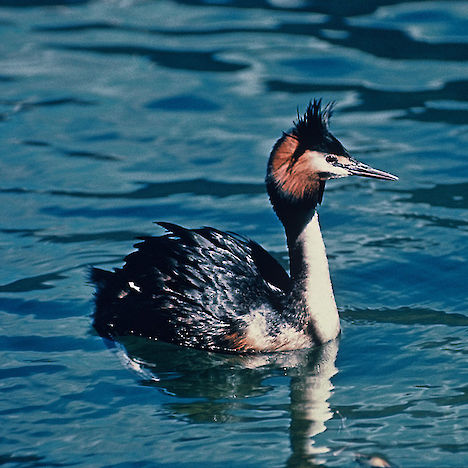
312 285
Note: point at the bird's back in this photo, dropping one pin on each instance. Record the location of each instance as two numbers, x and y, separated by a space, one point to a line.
193 287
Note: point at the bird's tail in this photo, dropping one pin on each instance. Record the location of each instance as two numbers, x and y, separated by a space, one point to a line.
108 284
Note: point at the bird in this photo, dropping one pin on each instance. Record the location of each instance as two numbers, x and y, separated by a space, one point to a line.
219 291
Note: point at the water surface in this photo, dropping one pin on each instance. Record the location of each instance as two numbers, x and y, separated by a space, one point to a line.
114 114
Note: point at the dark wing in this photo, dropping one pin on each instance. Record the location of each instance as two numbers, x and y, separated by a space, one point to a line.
269 268
192 287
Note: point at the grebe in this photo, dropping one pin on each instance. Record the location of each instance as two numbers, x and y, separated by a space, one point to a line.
218 291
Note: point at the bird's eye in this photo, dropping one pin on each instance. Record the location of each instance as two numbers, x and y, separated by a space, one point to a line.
331 159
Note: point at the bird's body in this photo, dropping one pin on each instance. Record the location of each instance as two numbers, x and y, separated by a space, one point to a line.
208 289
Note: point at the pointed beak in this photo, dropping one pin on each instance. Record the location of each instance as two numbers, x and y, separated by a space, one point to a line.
360 169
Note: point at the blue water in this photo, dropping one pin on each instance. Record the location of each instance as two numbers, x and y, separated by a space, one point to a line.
117 113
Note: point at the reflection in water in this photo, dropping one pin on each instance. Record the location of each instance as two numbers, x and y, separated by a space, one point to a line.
310 390
220 383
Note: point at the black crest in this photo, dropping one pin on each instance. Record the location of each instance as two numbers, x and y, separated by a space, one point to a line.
312 127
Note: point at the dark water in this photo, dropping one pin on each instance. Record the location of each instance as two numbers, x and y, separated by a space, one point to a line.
117 113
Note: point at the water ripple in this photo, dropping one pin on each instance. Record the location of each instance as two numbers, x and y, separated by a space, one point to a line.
183 103
444 195
32 283
52 311
39 3
154 190
338 32
119 112
30 370
437 221
406 316
175 59
372 100
337 9
73 153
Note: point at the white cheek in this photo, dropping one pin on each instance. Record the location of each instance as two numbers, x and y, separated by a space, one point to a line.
338 172
319 164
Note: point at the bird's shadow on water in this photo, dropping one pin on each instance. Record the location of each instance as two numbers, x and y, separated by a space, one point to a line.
213 388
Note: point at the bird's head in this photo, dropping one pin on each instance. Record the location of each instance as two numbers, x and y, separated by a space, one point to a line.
304 158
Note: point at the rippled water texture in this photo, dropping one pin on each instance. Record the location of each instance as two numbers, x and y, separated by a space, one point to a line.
117 113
